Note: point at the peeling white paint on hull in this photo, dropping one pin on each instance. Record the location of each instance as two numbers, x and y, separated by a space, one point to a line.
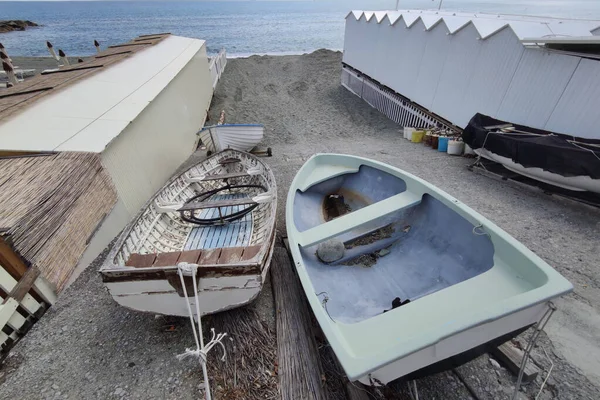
159 297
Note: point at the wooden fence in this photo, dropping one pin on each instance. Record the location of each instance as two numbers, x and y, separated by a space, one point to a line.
217 66
391 104
25 297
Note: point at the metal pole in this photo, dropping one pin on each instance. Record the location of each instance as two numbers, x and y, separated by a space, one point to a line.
440 6
397 1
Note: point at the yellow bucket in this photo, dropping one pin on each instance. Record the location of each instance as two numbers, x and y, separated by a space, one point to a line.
417 136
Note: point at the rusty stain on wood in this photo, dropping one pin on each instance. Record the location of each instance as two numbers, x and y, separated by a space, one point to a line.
167 259
250 252
190 256
141 260
230 255
209 256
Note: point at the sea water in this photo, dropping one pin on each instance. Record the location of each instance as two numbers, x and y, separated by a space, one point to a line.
242 27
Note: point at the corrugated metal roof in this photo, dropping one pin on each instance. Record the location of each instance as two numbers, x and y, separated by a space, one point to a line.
488 24
89 114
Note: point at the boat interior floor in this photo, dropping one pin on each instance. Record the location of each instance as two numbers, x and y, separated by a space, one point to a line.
405 255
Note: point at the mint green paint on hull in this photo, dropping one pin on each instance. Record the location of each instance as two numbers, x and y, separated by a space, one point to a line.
457 277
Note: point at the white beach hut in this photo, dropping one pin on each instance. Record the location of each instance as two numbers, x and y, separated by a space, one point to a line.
537 71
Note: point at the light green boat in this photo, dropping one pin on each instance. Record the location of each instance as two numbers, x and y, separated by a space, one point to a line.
413 281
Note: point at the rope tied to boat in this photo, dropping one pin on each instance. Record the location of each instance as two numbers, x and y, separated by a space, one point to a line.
201 350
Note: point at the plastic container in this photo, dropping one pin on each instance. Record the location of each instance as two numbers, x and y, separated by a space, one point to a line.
468 150
427 139
434 141
408 133
455 147
443 144
417 136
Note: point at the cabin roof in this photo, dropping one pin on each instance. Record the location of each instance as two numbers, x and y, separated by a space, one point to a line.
85 106
51 205
524 26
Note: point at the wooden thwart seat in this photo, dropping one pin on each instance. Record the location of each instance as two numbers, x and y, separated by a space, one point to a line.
225 176
231 160
224 256
217 203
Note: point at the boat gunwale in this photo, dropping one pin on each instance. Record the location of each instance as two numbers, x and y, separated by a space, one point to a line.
356 367
110 267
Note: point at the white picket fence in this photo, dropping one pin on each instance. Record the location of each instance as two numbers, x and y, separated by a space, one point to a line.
217 66
389 103
22 302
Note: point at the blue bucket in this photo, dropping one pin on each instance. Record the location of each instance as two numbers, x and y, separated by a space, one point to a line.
443 144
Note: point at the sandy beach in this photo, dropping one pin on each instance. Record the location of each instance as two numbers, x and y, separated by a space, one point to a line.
87 346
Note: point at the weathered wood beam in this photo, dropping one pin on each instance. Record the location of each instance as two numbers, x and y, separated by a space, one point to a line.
300 370
511 358
11 261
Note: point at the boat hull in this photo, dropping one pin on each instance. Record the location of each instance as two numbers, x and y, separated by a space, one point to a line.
454 350
144 292
243 137
564 161
232 255
469 283
575 183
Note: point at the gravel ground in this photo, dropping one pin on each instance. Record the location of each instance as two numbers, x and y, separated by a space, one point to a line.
88 347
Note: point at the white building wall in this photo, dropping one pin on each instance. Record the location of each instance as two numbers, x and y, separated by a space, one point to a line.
458 69
432 64
536 87
151 148
497 61
413 46
578 110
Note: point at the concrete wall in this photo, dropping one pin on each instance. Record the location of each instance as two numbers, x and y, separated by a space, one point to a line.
151 148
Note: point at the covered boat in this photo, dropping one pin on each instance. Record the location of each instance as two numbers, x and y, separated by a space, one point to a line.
404 279
218 215
568 162
242 137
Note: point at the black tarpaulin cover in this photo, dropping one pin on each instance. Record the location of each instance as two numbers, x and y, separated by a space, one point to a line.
553 152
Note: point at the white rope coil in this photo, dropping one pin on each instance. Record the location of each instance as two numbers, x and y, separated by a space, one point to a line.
201 351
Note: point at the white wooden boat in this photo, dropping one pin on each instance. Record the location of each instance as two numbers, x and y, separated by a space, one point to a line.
219 215
450 280
231 136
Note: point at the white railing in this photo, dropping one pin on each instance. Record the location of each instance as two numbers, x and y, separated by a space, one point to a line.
217 66
389 103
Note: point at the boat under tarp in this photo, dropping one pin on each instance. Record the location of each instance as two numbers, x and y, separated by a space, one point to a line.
404 279
565 161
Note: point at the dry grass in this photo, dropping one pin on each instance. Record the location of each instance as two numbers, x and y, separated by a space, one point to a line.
250 369
50 205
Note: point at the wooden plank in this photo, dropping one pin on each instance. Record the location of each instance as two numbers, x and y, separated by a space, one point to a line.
250 252
25 284
217 203
11 262
167 259
300 369
141 260
209 257
190 256
511 357
230 255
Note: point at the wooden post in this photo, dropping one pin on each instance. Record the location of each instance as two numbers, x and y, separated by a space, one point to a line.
300 370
